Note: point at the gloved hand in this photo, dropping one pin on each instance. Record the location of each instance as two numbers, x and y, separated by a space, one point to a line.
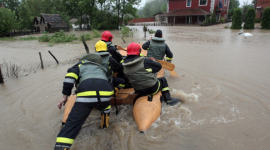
115 46
169 61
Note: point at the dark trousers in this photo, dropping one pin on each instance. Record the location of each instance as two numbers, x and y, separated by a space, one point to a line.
76 118
161 85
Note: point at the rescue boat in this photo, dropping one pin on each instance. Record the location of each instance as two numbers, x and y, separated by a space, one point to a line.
145 112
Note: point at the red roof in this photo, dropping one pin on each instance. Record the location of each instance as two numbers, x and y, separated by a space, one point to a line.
187 12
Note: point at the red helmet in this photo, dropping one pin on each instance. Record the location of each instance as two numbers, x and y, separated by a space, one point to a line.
107 36
133 49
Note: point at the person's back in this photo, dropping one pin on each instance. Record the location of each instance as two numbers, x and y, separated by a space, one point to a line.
157 48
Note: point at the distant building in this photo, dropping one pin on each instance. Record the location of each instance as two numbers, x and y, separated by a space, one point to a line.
51 23
260 6
195 11
37 24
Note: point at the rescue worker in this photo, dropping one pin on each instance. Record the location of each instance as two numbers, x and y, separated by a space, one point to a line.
157 48
107 37
110 64
93 90
142 72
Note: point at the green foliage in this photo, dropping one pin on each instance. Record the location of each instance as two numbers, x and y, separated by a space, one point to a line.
151 31
208 20
233 5
29 38
222 20
96 33
213 18
257 20
249 18
153 7
87 37
237 19
8 21
266 19
58 37
8 39
125 31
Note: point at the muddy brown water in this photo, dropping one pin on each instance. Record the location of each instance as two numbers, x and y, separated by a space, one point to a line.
223 82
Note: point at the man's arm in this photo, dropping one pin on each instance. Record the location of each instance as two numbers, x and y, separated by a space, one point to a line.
146 45
169 54
71 77
115 54
113 64
152 66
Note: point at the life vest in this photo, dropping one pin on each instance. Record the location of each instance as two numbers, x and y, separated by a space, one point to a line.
105 63
89 69
156 48
138 75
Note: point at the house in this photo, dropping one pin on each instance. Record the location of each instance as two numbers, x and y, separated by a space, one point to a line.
37 24
195 11
52 23
260 6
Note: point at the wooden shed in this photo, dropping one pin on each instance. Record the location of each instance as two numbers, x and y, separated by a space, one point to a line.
52 23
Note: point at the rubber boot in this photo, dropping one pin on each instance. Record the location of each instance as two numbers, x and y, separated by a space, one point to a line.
105 120
61 147
170 101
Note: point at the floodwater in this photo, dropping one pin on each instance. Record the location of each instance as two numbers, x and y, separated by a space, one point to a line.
223 83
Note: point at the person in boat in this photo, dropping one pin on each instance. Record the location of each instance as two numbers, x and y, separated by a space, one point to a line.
93 90
142 72
110 64
157 48
107 37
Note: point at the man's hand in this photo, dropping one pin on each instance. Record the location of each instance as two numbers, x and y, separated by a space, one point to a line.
63 101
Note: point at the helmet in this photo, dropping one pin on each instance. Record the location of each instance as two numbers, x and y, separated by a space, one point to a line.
107 36
101 46
133 49
92 57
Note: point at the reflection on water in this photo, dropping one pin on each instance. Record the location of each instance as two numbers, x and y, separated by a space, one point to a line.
223 86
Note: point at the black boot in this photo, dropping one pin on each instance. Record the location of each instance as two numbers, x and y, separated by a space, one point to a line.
170 101
61 147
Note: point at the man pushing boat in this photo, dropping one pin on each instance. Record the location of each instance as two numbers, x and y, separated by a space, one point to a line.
141 71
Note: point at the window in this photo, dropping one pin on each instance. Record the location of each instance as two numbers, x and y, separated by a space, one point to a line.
203 2
188 3
225 2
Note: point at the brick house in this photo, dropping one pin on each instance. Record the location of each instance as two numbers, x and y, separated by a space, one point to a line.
260 6
195 11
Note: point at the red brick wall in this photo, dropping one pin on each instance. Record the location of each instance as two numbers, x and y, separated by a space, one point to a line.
149 19
263 4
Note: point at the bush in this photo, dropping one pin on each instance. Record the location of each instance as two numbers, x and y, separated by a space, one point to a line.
208 20
125 31
266 19
87 37
152 31
222 20
258 20
249 18
29 38
96 33
213 18
58 37
237 19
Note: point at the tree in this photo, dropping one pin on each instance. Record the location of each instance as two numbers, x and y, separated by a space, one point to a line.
237 19
250 18
153 7
233 5
8 21
266 19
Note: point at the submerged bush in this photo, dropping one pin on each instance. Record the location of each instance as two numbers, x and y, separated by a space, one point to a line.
237 19
87 37
152 31
250 18
29 38
266 19
96 33
125 31
58 37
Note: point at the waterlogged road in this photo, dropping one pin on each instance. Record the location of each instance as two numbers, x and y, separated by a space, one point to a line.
223 83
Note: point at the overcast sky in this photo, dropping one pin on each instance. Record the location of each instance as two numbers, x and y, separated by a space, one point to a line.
241 2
